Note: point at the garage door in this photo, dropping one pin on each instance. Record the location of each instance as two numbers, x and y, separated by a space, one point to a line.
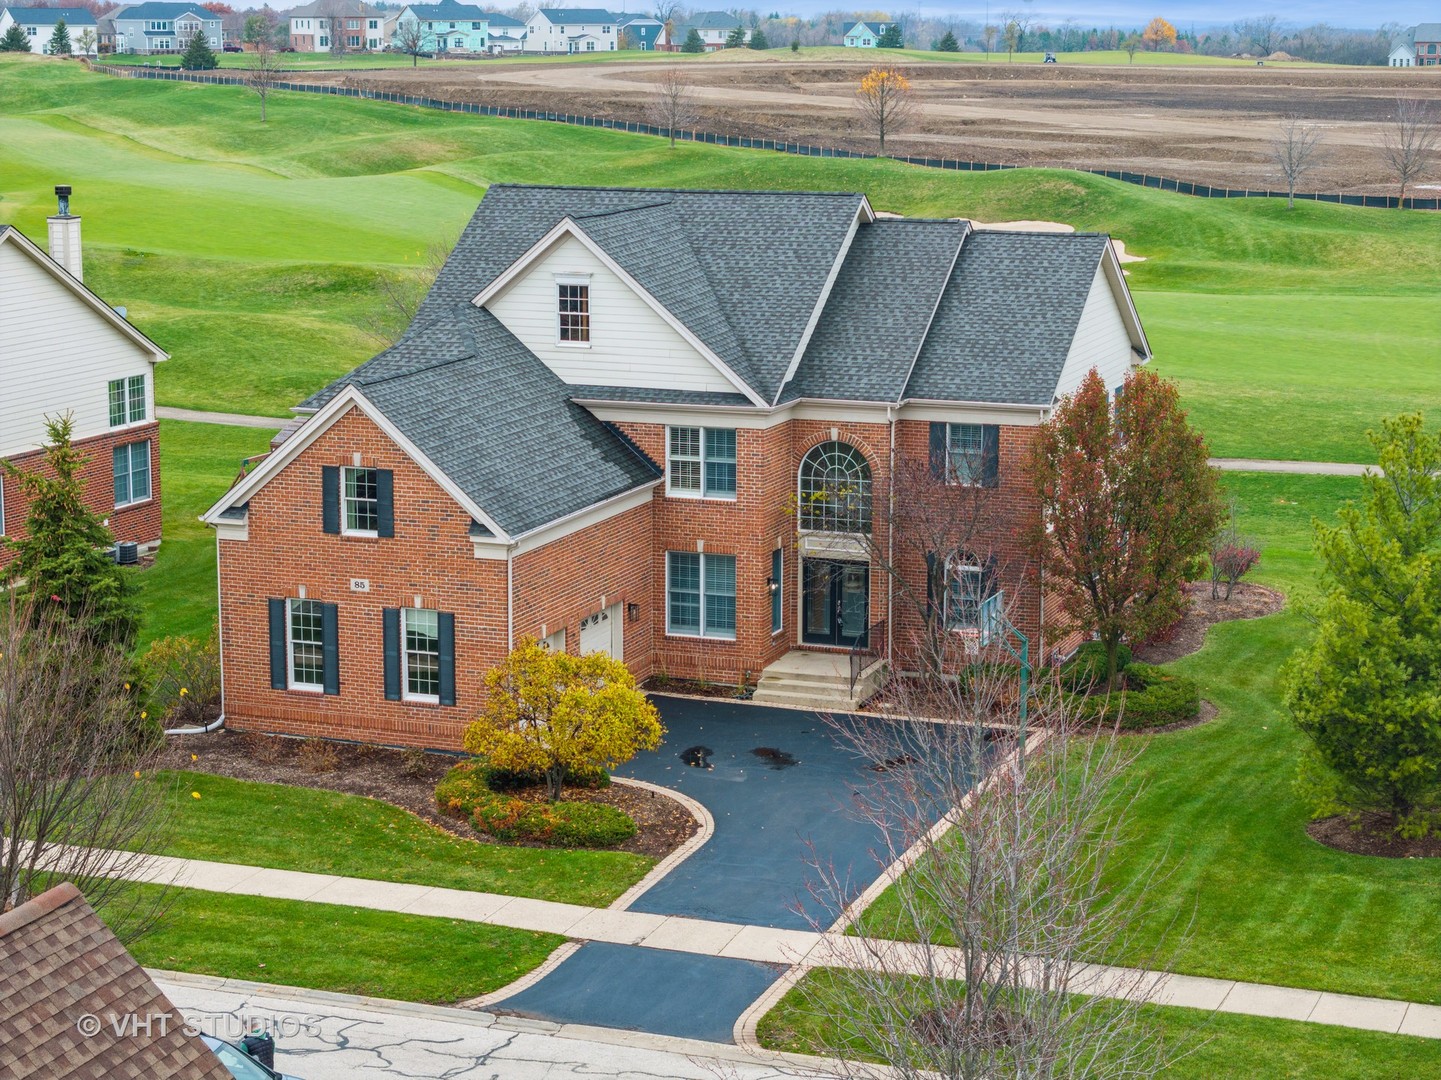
601 632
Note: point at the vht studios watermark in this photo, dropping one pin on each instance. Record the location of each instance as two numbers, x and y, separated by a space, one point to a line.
123 1025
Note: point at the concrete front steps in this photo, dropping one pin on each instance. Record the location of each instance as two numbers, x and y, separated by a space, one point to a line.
805 679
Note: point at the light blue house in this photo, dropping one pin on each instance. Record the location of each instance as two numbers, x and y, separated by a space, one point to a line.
158 27
449 26
865 35
642 32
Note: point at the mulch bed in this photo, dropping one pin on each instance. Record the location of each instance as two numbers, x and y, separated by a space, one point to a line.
1371 835
669 684
1188 634
407 779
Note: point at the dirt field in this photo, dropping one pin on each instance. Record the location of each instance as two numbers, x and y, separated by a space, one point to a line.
1211 125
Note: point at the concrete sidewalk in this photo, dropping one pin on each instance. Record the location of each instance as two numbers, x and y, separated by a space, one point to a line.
166 412
1307 468
766 944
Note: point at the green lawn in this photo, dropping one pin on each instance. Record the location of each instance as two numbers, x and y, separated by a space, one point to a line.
197 464
1249 895
343 949
324 832
253 251
1216 1046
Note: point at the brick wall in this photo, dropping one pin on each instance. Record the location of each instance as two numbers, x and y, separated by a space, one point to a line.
139 522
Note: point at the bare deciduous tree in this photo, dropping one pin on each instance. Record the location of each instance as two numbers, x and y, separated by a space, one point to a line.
334 17
886 102
79 800
399 295
410 38
1012 874
262 72
1408 141
1296 151
672 105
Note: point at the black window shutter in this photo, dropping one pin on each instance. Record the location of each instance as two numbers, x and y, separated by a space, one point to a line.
330 646
278 674
330 499
938 451
931 580
445 623
385 502
990 456
391 621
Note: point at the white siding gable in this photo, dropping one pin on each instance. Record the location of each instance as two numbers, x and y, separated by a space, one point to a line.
56 354
1101 340
630 344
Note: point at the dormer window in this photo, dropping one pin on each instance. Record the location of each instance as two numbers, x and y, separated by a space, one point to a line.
573 309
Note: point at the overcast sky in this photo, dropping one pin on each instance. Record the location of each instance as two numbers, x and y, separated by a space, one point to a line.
1349 13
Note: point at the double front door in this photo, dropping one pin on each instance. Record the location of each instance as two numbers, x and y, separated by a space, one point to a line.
837 603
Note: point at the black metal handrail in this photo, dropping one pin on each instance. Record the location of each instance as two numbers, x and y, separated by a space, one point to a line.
863 656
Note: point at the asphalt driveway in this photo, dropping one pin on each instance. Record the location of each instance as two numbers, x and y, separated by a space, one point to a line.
779 785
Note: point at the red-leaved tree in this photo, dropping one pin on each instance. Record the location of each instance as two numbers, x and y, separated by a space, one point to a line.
1127 505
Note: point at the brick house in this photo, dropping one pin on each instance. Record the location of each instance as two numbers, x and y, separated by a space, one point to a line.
66 350
652 422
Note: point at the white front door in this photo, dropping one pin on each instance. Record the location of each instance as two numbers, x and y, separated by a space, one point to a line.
601 632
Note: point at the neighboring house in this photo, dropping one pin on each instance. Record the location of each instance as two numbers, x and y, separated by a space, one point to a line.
714 27
1420 46
618 423
504 34
66 350
65 970
359 26
39 25
449 26
865 35
571 30
644 31
156 27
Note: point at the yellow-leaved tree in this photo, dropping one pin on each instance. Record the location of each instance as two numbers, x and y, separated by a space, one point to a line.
1159 34
549 712
886 102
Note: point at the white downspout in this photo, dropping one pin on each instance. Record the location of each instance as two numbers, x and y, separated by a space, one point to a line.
891 544
510 598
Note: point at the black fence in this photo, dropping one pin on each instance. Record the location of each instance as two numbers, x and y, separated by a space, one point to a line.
1161 183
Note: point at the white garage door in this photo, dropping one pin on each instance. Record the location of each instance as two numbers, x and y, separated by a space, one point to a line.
601 632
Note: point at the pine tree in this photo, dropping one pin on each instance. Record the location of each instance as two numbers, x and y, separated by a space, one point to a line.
14 40
198 55
63 555
736 39
758 39
60 40
891 38
693 43
948 43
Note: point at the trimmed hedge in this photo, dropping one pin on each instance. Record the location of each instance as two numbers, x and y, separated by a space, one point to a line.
466 792
1087 666
1152 697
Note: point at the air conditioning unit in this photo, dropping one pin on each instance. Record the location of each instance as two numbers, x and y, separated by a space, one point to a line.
127 553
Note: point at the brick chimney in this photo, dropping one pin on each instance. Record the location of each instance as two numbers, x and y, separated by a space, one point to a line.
65 235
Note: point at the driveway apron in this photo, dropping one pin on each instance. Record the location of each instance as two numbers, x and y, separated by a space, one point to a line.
779 785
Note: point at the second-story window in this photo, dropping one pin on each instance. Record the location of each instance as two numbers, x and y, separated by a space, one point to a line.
701 462
573 300
362 501
127 401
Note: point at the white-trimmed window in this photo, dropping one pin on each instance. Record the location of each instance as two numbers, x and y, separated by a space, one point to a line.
420 629
700 593
305 644
701 462
573 311
132 473
835 490
965 453
965 591
127 401
360 502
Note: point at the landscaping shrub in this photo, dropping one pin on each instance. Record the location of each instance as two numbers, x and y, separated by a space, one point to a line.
1152 698
464 792
498 779
1087 668
318 756
181 677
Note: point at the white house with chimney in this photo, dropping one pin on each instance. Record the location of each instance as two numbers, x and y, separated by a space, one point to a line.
67 351
571 30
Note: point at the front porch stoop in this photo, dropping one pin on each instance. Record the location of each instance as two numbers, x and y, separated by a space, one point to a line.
811 679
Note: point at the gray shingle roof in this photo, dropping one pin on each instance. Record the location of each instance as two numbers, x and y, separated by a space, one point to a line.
560 16
657 397
496 421
713 20
711 254
50 16
1007 318
878 311
158 9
